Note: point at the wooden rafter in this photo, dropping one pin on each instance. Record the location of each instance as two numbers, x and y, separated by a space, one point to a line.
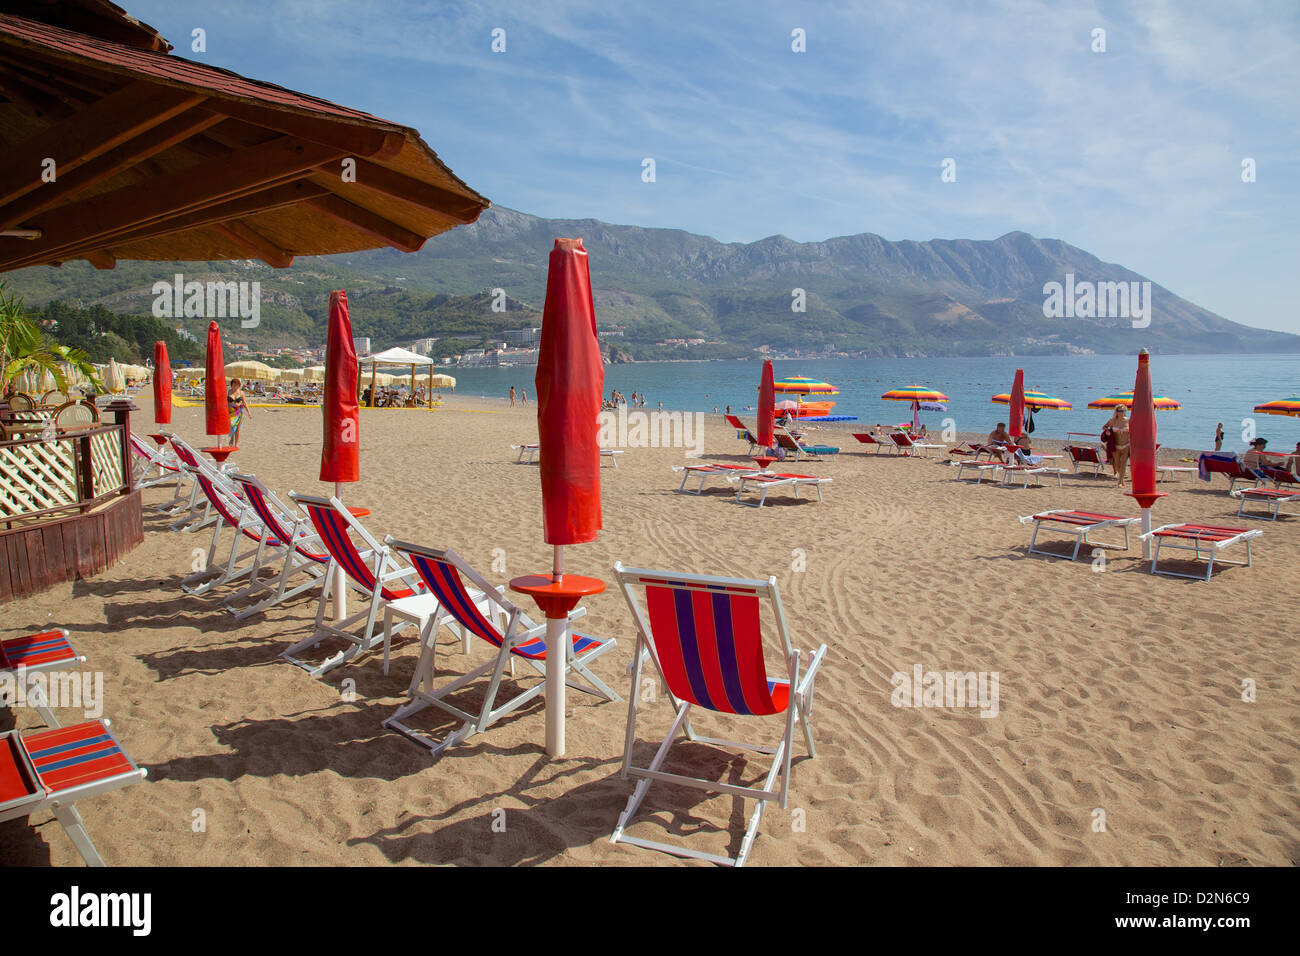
372 224
371 177
256 244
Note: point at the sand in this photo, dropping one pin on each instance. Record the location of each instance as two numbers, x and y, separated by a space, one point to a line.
1121 693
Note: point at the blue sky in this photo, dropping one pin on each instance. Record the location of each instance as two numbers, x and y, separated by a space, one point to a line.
1133 154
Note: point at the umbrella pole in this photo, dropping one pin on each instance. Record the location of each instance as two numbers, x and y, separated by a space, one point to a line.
338 585
557 651
1146 527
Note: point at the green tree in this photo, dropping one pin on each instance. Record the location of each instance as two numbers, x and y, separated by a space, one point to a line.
25 345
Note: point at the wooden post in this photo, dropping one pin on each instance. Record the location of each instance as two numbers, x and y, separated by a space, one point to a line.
122 409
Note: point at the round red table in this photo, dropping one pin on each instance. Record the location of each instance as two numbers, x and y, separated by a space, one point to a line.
556 600
763 460
222 453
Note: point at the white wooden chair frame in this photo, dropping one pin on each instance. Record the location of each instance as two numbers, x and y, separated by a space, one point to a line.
768 481
1273 499
1202 548
387 569
62 803
515 628
799 709
1079 532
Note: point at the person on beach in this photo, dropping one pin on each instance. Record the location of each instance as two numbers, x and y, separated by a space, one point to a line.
1218 438
1255 459
512 396
999 435
728 410
238 407
1116 438
523 396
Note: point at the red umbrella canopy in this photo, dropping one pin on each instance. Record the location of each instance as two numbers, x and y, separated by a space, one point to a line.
1142 434
1017 414
766 406
214 386
570 381
340 455
162 384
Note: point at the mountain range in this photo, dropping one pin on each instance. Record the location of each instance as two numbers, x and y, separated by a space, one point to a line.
666 293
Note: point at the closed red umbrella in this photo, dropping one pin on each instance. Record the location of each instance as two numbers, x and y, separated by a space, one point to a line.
162 385
340 455
340 450
1142 446
1017 414
766 406
570 380
217 413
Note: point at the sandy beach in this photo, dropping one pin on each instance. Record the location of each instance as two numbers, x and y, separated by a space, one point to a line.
1120 691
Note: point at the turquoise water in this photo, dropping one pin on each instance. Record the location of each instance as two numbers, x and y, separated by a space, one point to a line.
1211 388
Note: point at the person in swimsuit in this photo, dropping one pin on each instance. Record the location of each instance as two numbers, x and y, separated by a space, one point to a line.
238 407
1118 425
1218 438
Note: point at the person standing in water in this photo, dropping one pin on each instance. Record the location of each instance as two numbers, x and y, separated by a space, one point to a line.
1218 438
523 396
512 396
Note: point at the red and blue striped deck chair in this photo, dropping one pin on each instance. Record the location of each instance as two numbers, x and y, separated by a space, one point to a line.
374 570
53 769
704 635
512 636
22 658
154 467
197 512
229 509
287 525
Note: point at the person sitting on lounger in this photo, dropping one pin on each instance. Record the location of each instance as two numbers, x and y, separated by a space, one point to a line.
999 435
1255 459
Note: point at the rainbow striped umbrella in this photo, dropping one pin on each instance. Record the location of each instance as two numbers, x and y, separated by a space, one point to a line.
1283 406
798 385
914 393
1126 399
1036 401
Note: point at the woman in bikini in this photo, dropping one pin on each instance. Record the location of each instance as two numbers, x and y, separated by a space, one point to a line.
238 406
1118 425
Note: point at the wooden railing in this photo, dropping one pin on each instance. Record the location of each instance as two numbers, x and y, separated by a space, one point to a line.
71 472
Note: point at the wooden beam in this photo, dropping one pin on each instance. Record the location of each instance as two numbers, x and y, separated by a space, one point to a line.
100 218
69 184
371 177
101 259
273 198
250 239
38 101
352 138
91 132
368 222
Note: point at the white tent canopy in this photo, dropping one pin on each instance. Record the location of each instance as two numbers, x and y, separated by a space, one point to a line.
395 356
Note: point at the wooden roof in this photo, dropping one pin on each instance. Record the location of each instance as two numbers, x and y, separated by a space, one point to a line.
162 158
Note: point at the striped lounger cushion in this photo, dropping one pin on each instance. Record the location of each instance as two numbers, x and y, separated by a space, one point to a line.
37 650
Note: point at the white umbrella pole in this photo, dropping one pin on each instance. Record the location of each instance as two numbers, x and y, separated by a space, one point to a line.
1146 527
557 635
338 585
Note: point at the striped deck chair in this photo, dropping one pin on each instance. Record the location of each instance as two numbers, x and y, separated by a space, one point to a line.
151 466
906 444
53 769
197 512
230 511
1205 540
801 450
288 526
1085 456
876 444
373 570
512 635
22 658
705 638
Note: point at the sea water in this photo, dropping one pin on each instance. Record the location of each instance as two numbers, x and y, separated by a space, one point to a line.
1211 388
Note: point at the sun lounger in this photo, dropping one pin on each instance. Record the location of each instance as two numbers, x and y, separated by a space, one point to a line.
373 570
801 450
1170 472
704 636
612 454
1230 466
980 468
1273 498
706 470
906 444
1078 525
742 432
875 444
529 450
1026 472
23 658
300 548
1085 457
1207 540
229 511
53 769
513 636
1281 478
767 480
